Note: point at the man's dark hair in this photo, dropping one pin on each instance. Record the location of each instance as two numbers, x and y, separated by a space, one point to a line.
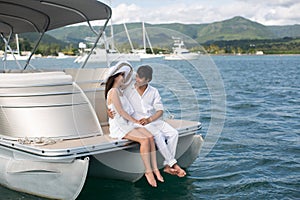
145 71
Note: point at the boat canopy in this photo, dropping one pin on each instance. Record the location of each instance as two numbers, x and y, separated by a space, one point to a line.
21 16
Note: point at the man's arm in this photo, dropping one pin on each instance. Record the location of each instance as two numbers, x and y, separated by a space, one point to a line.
157 105
145 121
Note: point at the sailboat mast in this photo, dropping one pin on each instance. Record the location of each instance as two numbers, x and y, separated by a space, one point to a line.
144 36
112 35
112 41
126 30
18 47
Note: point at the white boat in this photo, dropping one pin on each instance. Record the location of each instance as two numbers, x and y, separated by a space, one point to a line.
53 124
108 54
180 52
61 55
102 55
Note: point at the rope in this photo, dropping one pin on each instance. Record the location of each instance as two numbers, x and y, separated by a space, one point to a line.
39 141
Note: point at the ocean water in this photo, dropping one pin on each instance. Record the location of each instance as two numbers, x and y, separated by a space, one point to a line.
251 107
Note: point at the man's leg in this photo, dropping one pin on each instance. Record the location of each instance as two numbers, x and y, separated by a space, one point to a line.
171 136
161 145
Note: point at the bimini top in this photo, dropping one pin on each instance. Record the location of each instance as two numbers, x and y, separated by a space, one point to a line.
21 16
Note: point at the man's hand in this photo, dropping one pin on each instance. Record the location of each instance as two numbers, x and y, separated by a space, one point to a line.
145 121
111 114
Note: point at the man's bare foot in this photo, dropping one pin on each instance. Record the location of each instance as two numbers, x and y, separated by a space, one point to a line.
170 170
150 178
180 172
158 175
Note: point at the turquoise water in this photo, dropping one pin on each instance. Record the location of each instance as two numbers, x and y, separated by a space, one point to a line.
257 155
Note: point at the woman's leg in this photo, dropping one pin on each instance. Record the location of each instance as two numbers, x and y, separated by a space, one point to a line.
153 153
139 137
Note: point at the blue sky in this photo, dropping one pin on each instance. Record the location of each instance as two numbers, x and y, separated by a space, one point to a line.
267 12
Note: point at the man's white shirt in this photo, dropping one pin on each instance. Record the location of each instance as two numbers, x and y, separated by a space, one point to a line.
146 105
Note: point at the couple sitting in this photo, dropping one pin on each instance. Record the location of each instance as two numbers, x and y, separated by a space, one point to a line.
135 111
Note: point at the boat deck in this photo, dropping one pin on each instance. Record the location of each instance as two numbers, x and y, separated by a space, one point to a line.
86 145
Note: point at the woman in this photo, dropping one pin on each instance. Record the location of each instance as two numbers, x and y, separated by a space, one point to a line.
123 126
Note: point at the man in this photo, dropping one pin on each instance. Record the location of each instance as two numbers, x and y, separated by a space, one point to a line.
148 108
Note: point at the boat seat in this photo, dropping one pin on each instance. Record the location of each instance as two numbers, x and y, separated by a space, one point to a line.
29 70
33 79
90 81
87 78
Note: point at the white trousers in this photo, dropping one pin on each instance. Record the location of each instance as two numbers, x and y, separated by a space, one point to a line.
166 139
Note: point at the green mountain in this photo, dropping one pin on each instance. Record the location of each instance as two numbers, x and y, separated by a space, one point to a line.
234 34
285 31
237 28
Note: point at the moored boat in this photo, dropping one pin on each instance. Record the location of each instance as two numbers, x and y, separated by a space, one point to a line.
102 55
180 52
53 124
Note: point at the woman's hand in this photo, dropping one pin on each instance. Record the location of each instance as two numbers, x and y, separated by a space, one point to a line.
111 113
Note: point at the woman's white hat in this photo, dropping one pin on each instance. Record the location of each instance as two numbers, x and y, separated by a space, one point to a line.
121 66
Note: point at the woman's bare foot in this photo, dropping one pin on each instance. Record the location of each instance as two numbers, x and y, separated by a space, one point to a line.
170 170
150 178
180 172
158 175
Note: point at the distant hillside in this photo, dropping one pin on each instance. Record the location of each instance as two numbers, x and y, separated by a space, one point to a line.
231 35
237 28
28 40
72 34
285 31
47 39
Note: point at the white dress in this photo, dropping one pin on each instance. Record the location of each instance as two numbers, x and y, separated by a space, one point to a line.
119 126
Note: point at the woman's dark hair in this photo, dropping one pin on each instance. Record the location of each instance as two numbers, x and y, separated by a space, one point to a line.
109 83
145 71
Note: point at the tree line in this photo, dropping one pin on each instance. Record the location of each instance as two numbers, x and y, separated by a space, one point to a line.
285 45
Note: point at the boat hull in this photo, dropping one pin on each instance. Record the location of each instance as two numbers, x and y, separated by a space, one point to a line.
101 56
188 56
127 164
55 180
62 177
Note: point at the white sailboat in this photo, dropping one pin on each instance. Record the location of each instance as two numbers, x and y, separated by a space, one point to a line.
100 55
108 54
142 52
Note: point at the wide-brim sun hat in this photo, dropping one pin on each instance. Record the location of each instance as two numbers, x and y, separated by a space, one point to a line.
121 66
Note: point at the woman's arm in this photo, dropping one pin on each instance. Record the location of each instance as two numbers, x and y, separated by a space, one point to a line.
115 99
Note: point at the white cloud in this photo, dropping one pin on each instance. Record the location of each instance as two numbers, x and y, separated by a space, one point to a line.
276 12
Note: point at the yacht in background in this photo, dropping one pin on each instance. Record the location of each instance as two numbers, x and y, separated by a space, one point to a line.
180 52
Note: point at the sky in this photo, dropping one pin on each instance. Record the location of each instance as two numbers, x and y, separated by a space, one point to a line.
266 12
